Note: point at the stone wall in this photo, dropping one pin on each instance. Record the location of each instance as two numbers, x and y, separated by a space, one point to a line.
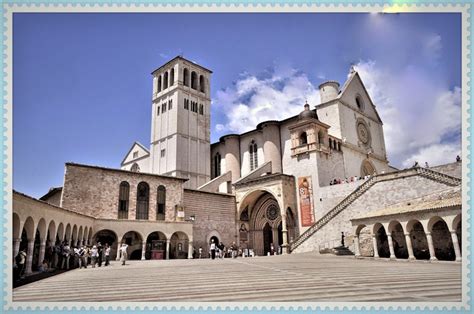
453 169
379 196
329 196
94 191
214 215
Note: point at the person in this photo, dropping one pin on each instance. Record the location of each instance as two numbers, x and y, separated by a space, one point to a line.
123 250
20 260
200 252
233 247
272 249
426 164
213 249
94 252
82 257
416 164
66 255
107 254
221 250
458 159
342 239
100 252
43 268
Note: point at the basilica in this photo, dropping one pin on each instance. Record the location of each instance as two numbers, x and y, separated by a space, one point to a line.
299 184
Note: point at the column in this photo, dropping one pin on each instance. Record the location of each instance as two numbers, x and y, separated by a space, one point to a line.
390 246
374 243
356 246
29 256
16 247
284 231
190 249
167 249
143 250
409 246
41 252
429 239
457 250
117 258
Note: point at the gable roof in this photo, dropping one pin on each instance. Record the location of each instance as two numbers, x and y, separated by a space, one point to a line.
184 59
131 148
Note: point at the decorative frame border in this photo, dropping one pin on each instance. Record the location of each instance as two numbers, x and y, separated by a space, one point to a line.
9 7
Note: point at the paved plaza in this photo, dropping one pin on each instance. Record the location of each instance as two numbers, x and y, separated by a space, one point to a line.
296 277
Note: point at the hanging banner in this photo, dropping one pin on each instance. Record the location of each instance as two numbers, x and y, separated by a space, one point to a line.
305 192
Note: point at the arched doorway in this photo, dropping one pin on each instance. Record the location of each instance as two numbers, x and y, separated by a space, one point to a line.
267 238
382 241
418 240
179 245
398 239
155 246
442 240
134 242
109 237
366 246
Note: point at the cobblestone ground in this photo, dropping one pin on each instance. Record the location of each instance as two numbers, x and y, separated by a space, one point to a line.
296 277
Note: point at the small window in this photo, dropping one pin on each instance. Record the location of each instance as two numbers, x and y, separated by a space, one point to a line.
253 155
163 152
170 104
186 77
194 80
165 81
201 84
123 200
135 154
159 84
163 108
359 102
135 167
201 109
158 109
303 139
161 203
186 104
171 77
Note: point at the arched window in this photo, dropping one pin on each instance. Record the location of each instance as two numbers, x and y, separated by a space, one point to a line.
217 165
165 81
124 193
135 167
202 84
186 77
161 203
159 83
143 194
330 143
193 80
320 137
201 109
359 102
303 139
171 77
253 155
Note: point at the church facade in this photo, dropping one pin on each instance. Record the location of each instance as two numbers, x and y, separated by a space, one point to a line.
293 185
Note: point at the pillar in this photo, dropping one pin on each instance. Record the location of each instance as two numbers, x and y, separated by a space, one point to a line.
143 250
41 252
457 250
190 249
409 247
16 247
356 246
117 258
167 249
29 256
429 239
390 246
284 231
374 243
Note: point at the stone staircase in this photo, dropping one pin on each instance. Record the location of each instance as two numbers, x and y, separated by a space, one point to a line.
361 189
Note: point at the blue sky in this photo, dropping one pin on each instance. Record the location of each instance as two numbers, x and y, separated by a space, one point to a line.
82 85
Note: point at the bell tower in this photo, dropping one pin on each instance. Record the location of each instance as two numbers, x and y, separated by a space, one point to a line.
180 130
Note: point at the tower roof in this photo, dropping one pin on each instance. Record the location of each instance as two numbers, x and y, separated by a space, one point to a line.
184 59
307 113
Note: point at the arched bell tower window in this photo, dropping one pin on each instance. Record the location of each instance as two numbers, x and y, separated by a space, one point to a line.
172 77
303 138
193 80
135 167
143 195
161 203
320 137
253 155
165 81
124 192
186 77
159 83
217 165
201 83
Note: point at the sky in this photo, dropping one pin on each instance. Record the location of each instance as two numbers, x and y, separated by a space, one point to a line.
82 85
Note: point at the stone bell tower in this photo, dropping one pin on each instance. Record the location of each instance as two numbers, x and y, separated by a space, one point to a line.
180 130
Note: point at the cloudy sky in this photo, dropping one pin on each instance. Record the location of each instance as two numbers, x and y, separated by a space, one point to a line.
82 83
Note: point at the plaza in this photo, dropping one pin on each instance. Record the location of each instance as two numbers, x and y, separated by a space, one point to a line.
284 278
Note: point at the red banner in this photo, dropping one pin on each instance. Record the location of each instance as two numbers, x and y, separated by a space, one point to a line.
306 201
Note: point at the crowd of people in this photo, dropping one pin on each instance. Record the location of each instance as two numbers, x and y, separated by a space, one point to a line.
220 251
348 180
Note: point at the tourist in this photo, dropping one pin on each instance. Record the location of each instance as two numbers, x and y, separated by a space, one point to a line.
221 248
43 268
213 249
94 253
100 253
458 159
200 252
123 250
233 247
82 257
107 254
66 253
272 249
87 255
20 260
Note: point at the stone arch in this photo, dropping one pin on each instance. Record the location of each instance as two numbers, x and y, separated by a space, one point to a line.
382 240
165 80
16 226
134 240
194 80
202 84
73 236
42 229
159 83
52 231
155 245
303 138
179 245
367 168
107 236
366 246
397 233
29 228
442 241
418 239
80 236
186 77
85 236
172 77
89 237
457 226
60 233
213 234
67 233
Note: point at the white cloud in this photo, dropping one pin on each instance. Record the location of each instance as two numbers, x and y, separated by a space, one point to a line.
252 100
432 46
421 115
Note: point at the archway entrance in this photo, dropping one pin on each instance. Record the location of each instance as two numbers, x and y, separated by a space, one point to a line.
134 242
179 245
107 237
155 246
267 238
382 241
442 241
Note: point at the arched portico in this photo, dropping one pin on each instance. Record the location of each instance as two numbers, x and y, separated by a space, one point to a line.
135 243
109 237
156 246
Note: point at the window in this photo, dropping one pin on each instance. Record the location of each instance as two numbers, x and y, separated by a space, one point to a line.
158 109
163 152
201 109
303 139
201 84
161 203
124 192
165 81
359 102
171 77
186 77
170 104
217 165
253 155
135 167
193 80
143 192
135 154
159 83
320 137
163 108
339 146
186 104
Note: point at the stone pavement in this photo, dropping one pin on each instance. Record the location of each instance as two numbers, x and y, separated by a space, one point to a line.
295 277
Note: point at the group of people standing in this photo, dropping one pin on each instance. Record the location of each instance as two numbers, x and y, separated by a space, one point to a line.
219 250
